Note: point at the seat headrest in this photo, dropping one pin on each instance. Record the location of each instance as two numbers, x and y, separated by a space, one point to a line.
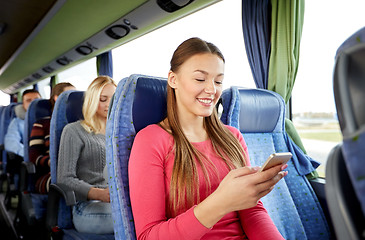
38 108
354 40
258 110
264 106
349 89
68 108
149 105
6 116
74 106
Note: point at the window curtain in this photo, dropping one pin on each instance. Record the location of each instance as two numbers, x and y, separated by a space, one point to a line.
53 81
286 32
104 64
272 32
256 32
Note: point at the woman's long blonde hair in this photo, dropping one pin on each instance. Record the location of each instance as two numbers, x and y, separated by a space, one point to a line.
184 187
91 122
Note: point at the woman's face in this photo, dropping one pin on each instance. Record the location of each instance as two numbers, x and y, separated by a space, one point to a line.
104 100
198 85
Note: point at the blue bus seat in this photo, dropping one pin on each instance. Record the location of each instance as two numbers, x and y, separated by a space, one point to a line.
292 205
344 206
7 115
2 170
346 162
68 108
12 191
138 101
2 108
39 108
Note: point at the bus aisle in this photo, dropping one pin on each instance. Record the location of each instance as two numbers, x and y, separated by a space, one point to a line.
7 230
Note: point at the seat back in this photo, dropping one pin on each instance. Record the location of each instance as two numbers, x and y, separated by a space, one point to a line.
2 108
68 108
1 154
292 205
6 116
39 108
138 102
349 93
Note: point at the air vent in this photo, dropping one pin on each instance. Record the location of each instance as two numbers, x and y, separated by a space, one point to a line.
141 17
173 5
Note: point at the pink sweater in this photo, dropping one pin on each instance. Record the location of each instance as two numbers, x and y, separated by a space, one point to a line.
150 170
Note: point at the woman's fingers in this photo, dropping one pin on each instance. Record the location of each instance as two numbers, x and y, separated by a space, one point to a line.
239 172
267 186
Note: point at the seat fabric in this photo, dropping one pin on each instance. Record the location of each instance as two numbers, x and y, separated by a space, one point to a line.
6 116
292 205
346 162
138 101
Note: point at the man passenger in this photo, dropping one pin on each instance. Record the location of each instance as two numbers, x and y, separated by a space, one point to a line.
14 137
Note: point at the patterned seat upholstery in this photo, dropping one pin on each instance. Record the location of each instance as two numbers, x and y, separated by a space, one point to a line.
292 205
1 130
138 101
68 108
6 116
345 172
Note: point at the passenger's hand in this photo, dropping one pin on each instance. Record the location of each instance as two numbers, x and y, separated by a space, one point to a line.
101 194
241 189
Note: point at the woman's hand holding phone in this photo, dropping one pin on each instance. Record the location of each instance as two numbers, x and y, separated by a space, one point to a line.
240 189
276 159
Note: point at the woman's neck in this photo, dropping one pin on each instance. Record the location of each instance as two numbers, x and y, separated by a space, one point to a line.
193 129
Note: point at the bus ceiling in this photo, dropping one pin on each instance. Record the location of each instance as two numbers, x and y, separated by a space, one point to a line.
39 38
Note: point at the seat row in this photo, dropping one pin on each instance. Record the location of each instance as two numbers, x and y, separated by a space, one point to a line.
140 100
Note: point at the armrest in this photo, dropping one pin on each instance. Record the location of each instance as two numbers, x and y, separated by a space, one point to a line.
26 170
56 192
29 166
67 194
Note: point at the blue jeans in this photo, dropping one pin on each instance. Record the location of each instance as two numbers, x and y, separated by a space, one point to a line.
39 202
93 217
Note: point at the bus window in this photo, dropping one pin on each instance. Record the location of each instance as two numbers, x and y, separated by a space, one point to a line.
44 88
80 75
151 53
314 112
4 99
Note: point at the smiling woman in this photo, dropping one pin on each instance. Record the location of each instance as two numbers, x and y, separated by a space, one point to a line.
201 76
187 165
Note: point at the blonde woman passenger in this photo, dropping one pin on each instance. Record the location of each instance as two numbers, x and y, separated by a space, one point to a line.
190 175
82 160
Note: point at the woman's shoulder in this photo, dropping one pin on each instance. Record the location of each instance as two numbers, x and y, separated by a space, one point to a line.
153 131
233 130
153 140
73 127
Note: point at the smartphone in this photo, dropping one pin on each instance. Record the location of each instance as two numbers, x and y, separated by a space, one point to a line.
276 159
